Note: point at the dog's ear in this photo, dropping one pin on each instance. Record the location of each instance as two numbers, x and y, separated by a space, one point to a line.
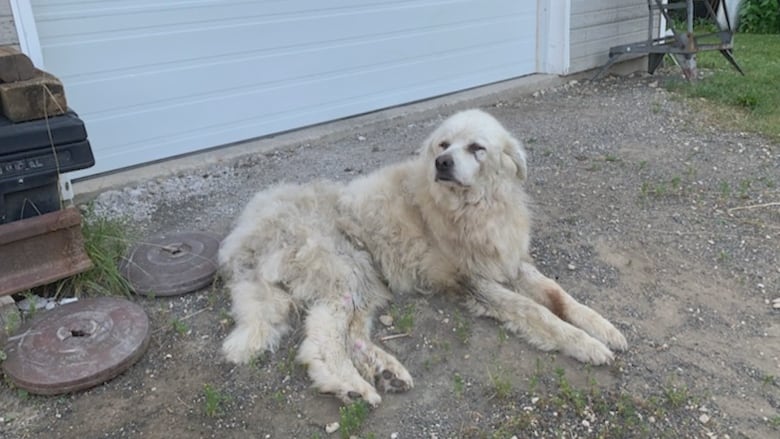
515 151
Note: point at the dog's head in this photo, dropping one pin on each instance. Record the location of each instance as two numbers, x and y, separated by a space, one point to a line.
471 148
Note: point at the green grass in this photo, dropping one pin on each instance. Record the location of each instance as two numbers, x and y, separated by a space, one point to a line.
458 385
351 418
287 365
180 327
279 397
213 400
568 394
105 242
750 102
676 396
462 328
503 335
500 385
403 318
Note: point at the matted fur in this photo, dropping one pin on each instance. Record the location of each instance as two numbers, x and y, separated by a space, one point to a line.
454 219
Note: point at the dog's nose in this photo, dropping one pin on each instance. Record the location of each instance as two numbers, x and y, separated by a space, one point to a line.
444 163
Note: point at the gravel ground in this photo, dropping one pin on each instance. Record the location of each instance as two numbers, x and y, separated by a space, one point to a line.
663 221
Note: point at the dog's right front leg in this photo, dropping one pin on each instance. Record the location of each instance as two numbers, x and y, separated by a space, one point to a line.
534 322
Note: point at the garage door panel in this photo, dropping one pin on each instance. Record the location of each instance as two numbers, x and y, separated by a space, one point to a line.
123 15
213 112
238 131
194 81
153 80
172 45
100 18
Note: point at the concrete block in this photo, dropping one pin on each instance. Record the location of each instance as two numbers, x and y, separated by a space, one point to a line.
15 66
42 96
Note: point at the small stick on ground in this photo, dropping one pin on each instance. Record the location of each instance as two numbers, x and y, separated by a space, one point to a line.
754 206
394 336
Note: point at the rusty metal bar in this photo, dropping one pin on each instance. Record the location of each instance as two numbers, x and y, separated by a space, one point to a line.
40 250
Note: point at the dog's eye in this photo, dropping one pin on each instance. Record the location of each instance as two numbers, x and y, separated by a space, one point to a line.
474 147
444 145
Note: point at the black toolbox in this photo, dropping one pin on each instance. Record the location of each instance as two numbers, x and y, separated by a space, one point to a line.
32 154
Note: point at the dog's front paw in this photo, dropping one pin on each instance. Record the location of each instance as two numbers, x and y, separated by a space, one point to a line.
615 339
589 350
608 334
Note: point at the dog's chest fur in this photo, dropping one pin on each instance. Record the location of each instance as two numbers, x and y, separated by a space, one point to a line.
402 224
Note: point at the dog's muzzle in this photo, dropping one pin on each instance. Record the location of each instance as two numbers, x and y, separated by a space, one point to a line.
445 165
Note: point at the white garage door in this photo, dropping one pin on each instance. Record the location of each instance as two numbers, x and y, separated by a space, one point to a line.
155 79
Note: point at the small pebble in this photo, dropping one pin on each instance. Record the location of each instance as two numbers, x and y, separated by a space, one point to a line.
332 427
704 418
394 435
386 320
572 267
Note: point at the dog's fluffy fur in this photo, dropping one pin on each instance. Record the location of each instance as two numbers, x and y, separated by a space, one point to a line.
454 219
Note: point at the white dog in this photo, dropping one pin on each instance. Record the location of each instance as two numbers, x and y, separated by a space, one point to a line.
452 219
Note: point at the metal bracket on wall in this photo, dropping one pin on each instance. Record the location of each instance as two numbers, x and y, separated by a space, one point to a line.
682 45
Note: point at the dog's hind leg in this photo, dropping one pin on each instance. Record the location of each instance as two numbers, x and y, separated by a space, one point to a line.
324 352
547 292
373 362
261 311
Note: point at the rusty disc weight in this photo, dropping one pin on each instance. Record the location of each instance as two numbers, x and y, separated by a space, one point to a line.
172 264
77 346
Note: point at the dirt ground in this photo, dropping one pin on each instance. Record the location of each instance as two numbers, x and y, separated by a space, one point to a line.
645 210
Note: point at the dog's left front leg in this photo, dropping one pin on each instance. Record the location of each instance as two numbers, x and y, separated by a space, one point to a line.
547 292
533 321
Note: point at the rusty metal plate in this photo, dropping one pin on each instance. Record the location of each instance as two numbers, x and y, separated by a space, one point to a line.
171 264
37 251
77 346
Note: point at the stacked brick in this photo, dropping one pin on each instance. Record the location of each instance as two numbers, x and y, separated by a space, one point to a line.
27 93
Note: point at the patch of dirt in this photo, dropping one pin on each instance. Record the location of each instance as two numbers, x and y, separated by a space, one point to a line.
659 219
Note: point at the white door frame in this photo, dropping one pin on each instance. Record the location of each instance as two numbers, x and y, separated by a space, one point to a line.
27 31
553 36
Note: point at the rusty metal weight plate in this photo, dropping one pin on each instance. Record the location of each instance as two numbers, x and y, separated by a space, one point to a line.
172 264
77 346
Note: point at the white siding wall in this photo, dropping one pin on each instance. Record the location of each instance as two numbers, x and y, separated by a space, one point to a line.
597 25
7 28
